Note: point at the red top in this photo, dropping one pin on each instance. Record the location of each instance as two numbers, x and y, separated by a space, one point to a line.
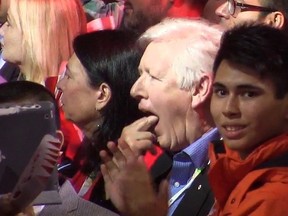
241 188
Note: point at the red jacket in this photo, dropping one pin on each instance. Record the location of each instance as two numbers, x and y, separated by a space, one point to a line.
257 185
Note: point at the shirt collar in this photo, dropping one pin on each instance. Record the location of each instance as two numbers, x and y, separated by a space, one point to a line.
198 150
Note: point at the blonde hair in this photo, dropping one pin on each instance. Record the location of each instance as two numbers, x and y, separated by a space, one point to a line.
48 28
194 44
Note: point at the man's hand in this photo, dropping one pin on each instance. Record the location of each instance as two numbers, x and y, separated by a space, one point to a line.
128 183
138 136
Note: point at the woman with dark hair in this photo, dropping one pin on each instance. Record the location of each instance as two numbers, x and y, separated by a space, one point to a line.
96 97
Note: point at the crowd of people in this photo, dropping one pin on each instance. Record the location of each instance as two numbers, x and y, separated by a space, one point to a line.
176 107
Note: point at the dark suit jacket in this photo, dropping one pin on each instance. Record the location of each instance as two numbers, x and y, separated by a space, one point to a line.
198 198
73 205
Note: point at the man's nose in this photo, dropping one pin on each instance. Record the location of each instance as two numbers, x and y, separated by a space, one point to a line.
222 11
138 90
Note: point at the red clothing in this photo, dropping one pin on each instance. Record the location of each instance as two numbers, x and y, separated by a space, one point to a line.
72 137
150 159
103 23
240 188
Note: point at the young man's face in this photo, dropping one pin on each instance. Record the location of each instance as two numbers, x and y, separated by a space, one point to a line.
230 20
245 109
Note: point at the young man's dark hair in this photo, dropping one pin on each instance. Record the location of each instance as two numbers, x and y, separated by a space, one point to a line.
261 48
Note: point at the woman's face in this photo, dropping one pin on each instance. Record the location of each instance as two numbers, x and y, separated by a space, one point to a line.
78 97
12 41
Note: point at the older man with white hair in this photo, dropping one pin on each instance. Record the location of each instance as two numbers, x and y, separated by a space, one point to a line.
174 88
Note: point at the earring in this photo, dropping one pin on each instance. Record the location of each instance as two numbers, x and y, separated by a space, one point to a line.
98 128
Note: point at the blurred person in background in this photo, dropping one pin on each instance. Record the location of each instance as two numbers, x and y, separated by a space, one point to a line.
233 12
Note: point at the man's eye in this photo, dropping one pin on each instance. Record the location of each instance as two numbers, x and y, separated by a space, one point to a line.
220 92
67 76
153 77
249 94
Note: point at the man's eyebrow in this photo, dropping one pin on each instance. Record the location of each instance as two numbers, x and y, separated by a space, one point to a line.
239 87
218 84
247 86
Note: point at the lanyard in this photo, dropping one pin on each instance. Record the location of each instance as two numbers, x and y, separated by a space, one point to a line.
177 195
88 183
85 187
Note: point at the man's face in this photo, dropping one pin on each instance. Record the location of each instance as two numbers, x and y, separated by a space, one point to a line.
229 21
245 109
12 41
78 97
140 14
159 94
209 10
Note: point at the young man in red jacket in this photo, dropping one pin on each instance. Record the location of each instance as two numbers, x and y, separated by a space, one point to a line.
250 108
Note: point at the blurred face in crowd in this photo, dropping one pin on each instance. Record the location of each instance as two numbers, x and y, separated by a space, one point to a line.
229 14
4 5
140 14
245 110
209 10
159 94
12 40
78 97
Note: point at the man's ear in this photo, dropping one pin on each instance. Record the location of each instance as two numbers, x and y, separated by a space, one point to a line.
201 92
103 96
275 19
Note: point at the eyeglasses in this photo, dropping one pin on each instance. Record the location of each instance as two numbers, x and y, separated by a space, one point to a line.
235 7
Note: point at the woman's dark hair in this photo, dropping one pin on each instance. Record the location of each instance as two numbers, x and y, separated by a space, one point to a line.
110 57
258 47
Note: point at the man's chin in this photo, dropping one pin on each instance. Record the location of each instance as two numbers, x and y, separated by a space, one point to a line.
161 142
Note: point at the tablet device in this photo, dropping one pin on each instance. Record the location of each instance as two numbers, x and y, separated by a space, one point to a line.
22 130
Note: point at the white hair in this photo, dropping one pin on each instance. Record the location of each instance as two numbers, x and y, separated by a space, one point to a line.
193 43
